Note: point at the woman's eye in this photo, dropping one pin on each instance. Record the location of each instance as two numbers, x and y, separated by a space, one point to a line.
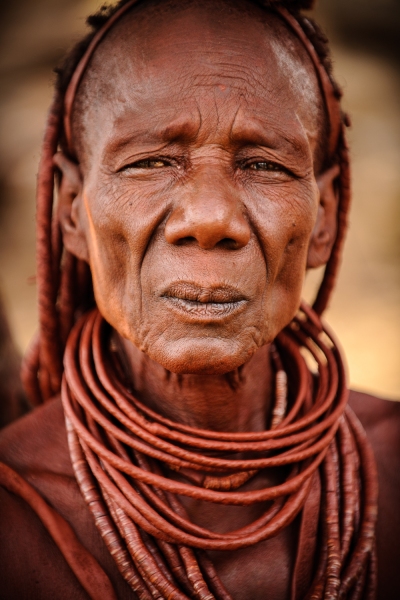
148 163
265 166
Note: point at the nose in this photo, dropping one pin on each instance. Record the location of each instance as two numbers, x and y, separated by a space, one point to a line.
208 211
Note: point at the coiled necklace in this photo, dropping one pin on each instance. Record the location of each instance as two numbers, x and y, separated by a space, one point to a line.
122 453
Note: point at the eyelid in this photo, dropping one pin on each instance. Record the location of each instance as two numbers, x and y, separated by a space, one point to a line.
246 164
135 164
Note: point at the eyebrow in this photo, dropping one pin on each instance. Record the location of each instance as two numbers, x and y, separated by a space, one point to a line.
181 128
185 129
291 139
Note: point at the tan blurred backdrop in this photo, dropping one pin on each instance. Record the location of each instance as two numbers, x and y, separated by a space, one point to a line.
365 312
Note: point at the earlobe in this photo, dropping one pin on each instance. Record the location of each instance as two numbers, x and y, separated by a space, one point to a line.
324 232
70 211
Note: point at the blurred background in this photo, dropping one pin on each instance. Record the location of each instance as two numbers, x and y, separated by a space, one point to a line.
365 36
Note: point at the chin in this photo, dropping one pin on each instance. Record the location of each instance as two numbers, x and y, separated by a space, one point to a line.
201 356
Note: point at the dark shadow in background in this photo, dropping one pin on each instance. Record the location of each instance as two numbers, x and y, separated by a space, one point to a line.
372 25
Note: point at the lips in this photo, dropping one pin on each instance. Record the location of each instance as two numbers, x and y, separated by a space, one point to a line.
204 302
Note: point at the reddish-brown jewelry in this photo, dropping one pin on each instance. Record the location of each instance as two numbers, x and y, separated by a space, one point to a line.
120 453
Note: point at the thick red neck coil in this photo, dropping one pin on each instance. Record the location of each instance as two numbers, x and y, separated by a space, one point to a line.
124 456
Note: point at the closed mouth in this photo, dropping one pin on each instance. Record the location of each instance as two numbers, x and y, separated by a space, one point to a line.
204 302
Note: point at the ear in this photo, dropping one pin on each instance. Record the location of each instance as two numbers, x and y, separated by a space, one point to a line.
70 210
324 232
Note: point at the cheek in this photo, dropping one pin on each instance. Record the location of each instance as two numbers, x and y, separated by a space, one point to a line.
292 264
284 218
286 223
116 241
129 257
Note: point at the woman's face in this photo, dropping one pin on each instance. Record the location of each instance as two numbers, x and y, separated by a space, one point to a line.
199 197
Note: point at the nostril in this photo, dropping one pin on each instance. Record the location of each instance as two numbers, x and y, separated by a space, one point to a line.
186 241
227 244
196 222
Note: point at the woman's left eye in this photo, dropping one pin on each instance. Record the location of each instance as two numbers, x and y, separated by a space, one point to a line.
264 166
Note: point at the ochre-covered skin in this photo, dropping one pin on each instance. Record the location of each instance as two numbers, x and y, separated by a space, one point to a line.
198 255
198 202
197 221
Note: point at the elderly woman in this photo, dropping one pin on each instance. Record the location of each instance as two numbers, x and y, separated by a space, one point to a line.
197 441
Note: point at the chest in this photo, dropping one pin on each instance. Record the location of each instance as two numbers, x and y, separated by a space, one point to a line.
259 571
256 572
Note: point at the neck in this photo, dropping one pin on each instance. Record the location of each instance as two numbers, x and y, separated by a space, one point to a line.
236 401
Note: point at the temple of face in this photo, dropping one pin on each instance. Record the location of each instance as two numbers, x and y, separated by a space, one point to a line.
194 435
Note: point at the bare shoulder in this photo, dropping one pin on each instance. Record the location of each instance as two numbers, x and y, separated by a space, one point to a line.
381 421
372 410
37 441
32 565
36 447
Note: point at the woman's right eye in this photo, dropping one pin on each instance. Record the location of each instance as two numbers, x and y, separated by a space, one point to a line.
148 163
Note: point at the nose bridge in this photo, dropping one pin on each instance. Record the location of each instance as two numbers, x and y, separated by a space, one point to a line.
212 200
208 210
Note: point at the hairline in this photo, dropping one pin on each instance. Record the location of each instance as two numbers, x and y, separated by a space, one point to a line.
83 91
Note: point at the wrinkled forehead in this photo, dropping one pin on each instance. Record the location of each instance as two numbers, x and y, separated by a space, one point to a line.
161 53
